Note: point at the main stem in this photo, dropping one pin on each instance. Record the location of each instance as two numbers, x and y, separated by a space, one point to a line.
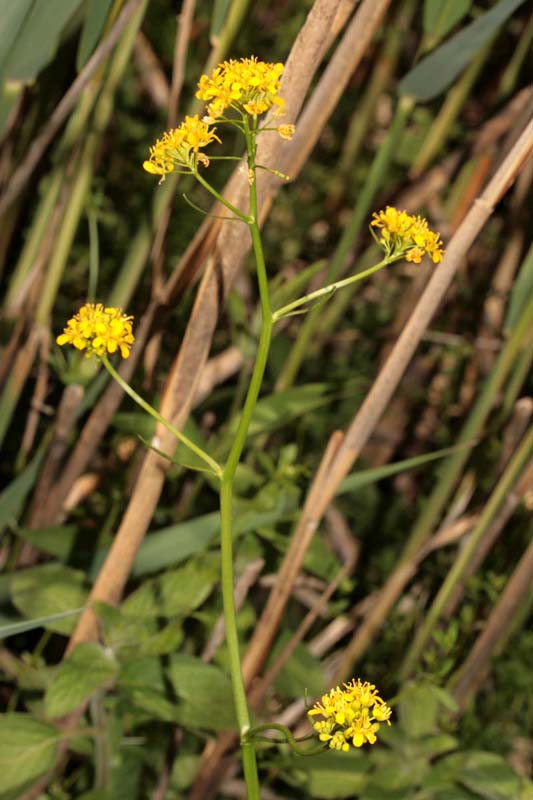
226 491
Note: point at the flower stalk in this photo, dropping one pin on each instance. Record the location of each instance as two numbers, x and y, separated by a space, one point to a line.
246 89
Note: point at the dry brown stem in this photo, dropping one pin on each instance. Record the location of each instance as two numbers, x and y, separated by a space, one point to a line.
474 670
181 45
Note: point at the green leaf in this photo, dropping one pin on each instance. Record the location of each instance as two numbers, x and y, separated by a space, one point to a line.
38 38
364 477
521 292
93 25
444 772
441 15
218 18
142 684
11 20
172 545
302 671
205 694
489 776
14 628
89 668
396 773
177 543
418 710
28 749
334 775
56 540
176 593
139 637
47 590
13 497
436 72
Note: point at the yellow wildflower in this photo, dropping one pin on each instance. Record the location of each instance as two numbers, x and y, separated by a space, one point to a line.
286 131
247 85
352 715
403 234
99 331
179 148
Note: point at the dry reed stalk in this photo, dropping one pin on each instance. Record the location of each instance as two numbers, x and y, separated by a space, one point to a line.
151 73
369 414
181 45
474 670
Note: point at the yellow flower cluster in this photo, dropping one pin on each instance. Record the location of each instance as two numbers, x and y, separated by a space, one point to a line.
351 715
402 233
179 148
247 85
99 331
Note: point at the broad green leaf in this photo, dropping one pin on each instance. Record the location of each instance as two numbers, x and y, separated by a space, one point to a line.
142 684
57 540
177 543
93 24
13 497
205 694
440 16
333 776
89 668
174 544
446 700
437 745
175 593
14 628
49 589
396 773
302 671
276 410
27 749
444 772
12 18
38 38
437 71
418 710
489 776
127 635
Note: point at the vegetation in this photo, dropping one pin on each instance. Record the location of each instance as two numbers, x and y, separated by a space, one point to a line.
307 395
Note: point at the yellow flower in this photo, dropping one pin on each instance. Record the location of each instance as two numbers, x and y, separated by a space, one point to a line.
179 148
99 331
247 85
402 234
286 131
352 715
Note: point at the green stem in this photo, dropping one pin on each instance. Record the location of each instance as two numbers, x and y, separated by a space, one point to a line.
332 287
211 189
226 491
211 463
290 739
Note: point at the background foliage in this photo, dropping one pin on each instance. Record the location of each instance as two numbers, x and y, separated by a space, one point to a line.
439 97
